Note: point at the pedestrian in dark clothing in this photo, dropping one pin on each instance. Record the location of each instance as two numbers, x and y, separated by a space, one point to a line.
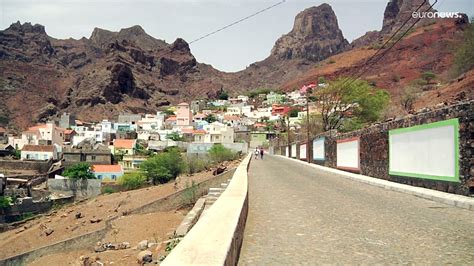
261 153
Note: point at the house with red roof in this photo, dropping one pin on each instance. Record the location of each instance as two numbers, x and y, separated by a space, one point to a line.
107 172
124 146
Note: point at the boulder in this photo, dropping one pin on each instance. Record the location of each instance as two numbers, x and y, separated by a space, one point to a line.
142 245
144 256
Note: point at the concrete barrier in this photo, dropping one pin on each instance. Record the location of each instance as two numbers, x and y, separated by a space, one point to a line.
217 237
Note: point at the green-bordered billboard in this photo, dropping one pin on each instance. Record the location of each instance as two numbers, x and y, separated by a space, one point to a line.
429 151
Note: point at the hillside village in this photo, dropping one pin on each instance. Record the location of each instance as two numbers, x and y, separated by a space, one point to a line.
113 148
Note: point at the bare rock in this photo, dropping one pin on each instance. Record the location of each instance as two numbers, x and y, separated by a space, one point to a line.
143 245
48 231
144 256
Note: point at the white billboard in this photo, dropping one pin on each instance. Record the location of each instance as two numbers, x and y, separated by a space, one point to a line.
426 151
348 154
318 149
293 151
303 151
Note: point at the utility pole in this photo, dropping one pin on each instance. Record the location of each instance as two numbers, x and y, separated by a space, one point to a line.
288 134
308 150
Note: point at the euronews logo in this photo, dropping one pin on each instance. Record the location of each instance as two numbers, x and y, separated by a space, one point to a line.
437 14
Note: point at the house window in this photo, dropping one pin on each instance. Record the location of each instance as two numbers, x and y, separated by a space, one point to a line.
114 177
93 158
99 176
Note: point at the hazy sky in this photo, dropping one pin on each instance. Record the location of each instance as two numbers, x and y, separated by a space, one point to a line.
230 50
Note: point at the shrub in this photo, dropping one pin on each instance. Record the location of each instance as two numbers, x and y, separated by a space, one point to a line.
218 153
163 167
109 190
331 61
79 171
464 55
131 181
195 165
428 76
5 202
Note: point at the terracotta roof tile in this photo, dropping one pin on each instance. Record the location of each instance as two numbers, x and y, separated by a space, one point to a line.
124 143
107 168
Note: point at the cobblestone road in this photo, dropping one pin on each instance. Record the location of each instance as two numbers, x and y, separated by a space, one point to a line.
299 215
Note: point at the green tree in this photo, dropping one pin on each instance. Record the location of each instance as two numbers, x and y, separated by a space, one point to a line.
348 104
163 167
464 55
168 112
210 118
79 171
132 181
223 95
218 153
174 136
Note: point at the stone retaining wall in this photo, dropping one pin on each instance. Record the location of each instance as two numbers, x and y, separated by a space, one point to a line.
374 148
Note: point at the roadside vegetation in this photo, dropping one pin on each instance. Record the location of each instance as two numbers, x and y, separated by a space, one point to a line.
167 166
349 105
464 54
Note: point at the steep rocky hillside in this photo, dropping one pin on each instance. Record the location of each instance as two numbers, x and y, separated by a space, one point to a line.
129 70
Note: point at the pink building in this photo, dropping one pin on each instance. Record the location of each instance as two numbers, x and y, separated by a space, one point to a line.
184 116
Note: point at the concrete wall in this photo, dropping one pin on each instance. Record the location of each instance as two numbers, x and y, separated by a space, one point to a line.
217 237
374 148
81 189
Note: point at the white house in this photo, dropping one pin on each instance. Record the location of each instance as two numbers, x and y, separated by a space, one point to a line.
39 152
151 122
47 133
234 110
214 133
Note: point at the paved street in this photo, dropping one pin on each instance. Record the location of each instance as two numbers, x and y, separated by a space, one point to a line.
299 215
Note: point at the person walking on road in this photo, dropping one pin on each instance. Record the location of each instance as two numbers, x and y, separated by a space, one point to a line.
256 153
261 153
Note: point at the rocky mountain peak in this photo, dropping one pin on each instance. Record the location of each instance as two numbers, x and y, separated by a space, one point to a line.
398 11
315 36
26 27
135 34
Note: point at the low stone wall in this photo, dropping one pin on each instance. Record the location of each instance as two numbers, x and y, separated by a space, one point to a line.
80 189
374 148
217 237
185 196
83 241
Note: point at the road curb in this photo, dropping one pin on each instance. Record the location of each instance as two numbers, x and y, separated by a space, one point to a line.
459 201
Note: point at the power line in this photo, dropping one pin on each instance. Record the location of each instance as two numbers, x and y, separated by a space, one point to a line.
389 48
238 21
385 43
